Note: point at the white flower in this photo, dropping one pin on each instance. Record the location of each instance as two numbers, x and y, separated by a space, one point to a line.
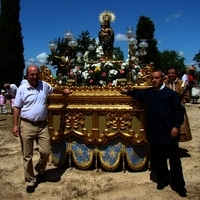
112 72
86 66
114 82
123 66
85 75
76 71
96 65
109 64
99 51
102 82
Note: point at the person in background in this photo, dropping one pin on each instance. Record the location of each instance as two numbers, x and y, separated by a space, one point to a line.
195 94
164 114
3 102
11 90
183 91
191 73
184 78
30 123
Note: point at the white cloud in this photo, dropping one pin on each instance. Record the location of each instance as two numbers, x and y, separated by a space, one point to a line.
30 61
120 37
177 15
174 16
41 58
181 53
167 20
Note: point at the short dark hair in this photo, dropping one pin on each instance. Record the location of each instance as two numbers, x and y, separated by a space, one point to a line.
159 70
174 68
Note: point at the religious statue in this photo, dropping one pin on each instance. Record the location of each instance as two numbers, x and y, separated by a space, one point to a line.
106 34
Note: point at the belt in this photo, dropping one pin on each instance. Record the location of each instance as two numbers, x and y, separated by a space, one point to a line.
36 123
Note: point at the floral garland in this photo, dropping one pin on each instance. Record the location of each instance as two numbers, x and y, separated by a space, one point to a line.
100 73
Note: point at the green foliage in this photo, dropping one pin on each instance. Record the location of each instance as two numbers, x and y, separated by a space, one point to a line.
84 40
63 50
145 30
118 53
11 49
197 57
171 59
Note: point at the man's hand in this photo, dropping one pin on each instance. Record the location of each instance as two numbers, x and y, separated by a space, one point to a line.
174 132
15 131
123 91
64 92
67 91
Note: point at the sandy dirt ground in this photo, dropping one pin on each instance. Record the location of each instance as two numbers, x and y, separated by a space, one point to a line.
73 184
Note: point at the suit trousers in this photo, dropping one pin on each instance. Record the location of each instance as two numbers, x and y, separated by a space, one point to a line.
29 133
159 155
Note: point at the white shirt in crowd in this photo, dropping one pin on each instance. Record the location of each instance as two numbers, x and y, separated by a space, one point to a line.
185 78
12 90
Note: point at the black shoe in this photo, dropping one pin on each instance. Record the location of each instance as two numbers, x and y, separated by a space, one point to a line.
161 185
182 191
31 187
41 178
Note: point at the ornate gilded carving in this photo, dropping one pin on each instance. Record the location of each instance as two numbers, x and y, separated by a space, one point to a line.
46 75
97 122
74 120
145 78
119 120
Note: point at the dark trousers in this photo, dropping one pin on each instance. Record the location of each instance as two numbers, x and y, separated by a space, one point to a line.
159 154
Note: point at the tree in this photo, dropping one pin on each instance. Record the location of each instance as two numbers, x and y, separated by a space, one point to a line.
118 53
63 50
197 58
84 40
145 30
171 59
11 49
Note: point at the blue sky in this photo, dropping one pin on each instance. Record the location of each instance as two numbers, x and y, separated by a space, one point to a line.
176 23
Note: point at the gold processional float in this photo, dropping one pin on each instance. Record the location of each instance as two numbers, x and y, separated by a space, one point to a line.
96 126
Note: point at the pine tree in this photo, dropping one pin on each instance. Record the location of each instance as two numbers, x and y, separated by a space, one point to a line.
145 30
11 45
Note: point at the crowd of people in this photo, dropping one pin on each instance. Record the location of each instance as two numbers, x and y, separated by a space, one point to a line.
167 123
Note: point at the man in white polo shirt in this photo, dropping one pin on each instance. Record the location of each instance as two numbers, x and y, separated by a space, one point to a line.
30 110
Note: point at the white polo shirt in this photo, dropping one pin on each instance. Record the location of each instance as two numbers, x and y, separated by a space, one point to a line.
33 101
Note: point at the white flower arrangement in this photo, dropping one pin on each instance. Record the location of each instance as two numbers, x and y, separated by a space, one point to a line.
100 73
